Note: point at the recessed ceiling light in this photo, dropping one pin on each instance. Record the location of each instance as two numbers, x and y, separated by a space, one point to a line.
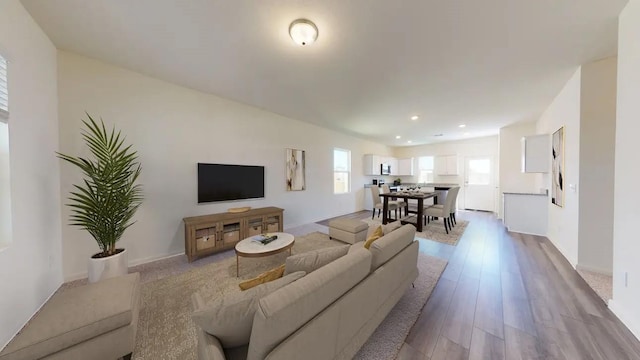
462 126
415 117
398 136
409 141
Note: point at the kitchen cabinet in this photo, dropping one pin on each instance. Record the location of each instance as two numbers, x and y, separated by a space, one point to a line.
446 165
526 213
372 164
393 162
368 198
536 153
405 167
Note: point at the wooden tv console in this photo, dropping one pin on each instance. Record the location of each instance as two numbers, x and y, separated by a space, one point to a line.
208 234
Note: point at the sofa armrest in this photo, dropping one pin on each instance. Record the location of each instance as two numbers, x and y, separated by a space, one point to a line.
209 347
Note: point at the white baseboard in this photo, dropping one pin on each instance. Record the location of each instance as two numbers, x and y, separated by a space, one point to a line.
563 252
526 233
82 275
626 320
594 269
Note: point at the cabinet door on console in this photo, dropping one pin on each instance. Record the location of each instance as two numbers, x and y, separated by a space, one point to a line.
254 226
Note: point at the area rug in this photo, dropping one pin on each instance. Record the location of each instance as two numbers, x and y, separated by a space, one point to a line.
166 331
434 230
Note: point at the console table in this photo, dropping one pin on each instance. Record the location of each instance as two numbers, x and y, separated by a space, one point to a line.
209 234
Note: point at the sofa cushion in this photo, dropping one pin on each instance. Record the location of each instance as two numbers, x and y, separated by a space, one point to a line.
76 315
312 260
265 277
387 246
386 229
229 318
377 234
284 311
349 225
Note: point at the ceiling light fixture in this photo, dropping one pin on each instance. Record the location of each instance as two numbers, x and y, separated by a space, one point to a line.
462 126
398 136
303 32
409 141
415 117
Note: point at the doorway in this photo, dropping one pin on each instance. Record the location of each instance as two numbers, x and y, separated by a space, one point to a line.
479 188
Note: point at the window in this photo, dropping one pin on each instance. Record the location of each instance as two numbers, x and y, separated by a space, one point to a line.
341 171
4 92
425 169
5 189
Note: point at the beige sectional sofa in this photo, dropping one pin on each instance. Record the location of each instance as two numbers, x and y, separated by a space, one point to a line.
330 312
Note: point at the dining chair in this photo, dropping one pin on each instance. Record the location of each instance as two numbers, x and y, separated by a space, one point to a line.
399 203
453 194
444 212
378 204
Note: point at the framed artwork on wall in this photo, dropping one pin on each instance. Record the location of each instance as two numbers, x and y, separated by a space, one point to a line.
557 167
295 170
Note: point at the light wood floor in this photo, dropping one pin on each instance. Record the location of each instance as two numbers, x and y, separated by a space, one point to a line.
510 296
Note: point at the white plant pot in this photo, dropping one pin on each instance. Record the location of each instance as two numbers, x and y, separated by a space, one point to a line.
108 267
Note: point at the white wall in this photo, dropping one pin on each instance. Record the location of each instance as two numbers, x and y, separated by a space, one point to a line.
597 157
173 128
512 179
626 246
30 267
563 221
6 237
484 146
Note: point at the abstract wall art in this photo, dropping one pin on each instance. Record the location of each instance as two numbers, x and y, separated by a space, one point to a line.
557 167
295 170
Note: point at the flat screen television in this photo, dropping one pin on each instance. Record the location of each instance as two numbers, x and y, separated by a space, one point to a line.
222 182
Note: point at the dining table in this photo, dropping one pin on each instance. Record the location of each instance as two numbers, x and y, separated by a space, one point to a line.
413 195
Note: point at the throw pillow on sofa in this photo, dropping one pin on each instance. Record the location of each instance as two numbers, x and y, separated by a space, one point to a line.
312 260
377 234
229 318
265 277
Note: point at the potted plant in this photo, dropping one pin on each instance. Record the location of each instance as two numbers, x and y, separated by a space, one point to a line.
105 202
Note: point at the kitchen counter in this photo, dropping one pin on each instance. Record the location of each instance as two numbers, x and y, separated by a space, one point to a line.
525 193
526 212
439 185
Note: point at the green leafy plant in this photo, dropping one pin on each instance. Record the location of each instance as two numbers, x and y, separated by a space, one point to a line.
107 199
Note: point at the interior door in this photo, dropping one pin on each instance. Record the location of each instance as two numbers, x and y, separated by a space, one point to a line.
478 183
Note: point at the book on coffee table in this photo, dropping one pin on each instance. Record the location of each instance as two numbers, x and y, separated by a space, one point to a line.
264 239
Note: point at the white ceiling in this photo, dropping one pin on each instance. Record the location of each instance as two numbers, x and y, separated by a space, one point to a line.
483 63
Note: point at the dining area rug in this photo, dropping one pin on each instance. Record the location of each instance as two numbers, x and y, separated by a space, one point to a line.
166 331
434 230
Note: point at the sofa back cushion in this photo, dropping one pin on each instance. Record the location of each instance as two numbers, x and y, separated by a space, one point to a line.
312 260
387 246
229 318
284 311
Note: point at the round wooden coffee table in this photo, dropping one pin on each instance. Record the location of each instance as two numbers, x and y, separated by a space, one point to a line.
251 248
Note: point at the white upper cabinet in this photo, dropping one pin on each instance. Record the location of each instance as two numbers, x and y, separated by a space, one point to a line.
446 165
399 167
536 153
393 162
405 167
372 164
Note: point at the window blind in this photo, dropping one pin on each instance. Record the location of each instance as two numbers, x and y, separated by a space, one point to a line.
4 92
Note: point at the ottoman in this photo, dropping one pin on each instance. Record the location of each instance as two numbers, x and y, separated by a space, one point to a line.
348 230
95 321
